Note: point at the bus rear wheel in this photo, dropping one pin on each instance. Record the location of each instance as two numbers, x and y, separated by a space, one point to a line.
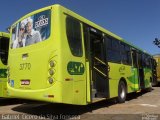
122 92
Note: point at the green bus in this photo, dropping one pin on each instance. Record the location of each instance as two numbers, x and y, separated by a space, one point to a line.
157 59
154 71
59 56
4 46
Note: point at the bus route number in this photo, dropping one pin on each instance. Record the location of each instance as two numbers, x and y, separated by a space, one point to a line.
25 66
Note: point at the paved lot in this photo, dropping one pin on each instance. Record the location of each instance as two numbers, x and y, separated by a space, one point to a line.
139 106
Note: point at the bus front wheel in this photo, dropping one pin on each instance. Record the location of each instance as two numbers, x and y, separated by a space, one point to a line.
122 92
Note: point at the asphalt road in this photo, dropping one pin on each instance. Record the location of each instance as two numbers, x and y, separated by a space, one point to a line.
138 106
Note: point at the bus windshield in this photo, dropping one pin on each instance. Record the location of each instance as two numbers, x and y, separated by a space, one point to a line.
31 30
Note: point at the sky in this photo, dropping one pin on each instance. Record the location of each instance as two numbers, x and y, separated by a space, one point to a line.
136 21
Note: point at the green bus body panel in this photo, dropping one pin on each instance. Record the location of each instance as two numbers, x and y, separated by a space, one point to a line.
116 73
147 77
3 73
3 34
157 58
71 81
66 88
133 79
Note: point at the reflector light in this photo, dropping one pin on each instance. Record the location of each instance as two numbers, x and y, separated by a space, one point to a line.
52 63
50 80
51 72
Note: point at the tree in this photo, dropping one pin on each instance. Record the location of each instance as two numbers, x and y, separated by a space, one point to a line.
157 42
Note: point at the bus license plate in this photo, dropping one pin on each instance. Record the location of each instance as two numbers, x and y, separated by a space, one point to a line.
25 82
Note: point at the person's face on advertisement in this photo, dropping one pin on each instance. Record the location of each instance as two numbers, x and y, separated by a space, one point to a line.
29 27
21 30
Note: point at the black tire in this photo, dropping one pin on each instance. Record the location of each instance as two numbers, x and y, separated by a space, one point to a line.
122 92
150 88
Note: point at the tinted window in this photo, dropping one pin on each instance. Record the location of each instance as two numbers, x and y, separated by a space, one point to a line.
4 44
148 61
115 45
134 58
73 30
113 50
126 54
143 60
140 59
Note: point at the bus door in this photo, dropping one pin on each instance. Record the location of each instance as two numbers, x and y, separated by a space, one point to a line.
137 69
99 65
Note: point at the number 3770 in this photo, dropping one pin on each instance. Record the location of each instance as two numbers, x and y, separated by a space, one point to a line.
25 66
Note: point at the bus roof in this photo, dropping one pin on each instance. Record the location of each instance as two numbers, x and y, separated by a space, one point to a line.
84 20
136 47
3 34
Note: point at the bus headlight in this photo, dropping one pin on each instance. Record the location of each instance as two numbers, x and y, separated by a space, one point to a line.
50 80
52 63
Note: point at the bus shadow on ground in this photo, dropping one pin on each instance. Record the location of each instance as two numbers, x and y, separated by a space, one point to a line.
135 95
53 110
13 101
10 101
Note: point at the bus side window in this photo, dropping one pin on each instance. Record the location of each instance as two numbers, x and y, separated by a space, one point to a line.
140 59
113 52
126 54
143 60
134 58
85 33
147 60
73 31
4 45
